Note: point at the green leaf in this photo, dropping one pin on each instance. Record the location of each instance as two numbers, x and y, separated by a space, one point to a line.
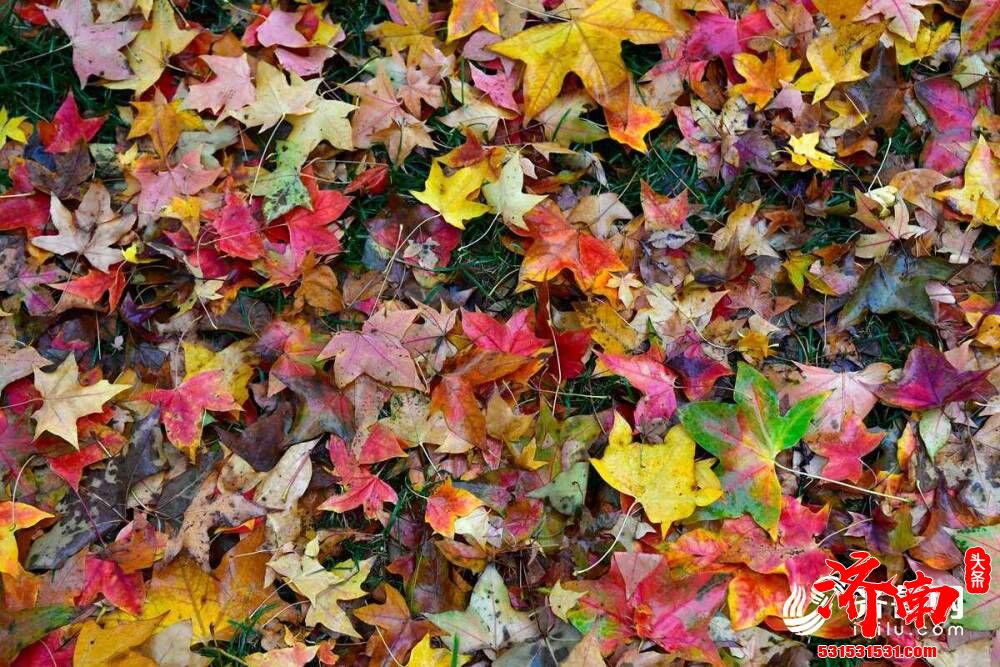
746 438
896 285
283 189
20 629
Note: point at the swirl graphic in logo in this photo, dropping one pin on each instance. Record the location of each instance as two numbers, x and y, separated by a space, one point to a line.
800 612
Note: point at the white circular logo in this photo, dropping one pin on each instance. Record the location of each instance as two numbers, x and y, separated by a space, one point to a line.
800 613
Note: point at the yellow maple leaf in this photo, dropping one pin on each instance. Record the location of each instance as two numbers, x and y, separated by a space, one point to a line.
804 151
10 128
763 78
424 655
183 591
324 588
664 478
65 400
163 121
926 43
277 98
588 45
415 35
835 57
98 646
327 122
467 16
979 196
14 517
506 195
449 195
151 49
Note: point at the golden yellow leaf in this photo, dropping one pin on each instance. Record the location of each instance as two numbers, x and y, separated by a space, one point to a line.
163 121
424 655
10 128
588 45
449 195
804 152
235 589
763 78
151 49
835 57
664 478
415 35
979 196
98 646
467 16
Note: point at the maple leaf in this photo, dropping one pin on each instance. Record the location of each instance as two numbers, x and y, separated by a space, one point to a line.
639 597
742 232
746 437
98 646
557 245
308 225
763 78
929 380
447 504
490 622
187 177
229 92
183 407
324 588
212 601
804 151
848 392
152 48
239 231
294 656
513 336
65 400
896 284
978 198
588 44
277 97
413 32
400 632
91 231
646 373
17 361
279 29
698 371
843 450
375 351
449 195
665 478
980 24
506 195
835 57
327 122
163 122
467 16
423 655
95 45
903 16
67 129
124 590
13 517
10 128
362 488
